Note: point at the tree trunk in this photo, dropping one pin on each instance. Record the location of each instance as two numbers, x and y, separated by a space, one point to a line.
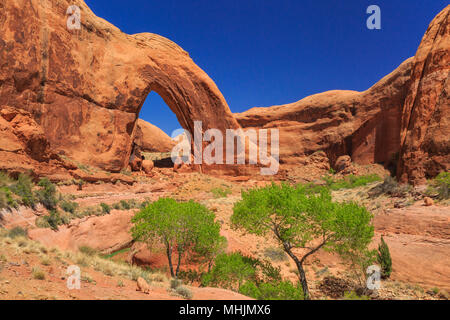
301 273
169 258
180 253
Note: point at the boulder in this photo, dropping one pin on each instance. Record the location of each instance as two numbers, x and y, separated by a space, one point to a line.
147 166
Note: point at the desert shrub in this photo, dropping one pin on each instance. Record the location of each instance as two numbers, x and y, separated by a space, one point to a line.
175 283
47 194
184 292
391 187
87 250
298 218
105 208
352 295
221 192
38 274
283 290
5 180
384 259
54 219
17 232
187 227
350 181
23 188
125 205
6 199
275 254
442 184
116 206
190 276
69 206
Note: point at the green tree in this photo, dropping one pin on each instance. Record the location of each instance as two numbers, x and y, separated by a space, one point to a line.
298 217
182 227
384 259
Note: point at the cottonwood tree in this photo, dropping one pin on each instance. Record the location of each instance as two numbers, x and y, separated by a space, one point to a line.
299 218
182 227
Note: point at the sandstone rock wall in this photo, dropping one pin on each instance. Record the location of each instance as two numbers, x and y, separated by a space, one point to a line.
86 87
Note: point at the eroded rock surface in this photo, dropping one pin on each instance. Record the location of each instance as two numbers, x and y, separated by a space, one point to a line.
86 87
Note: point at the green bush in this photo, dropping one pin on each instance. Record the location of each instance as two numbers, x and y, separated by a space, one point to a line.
54 219
106 209
69 206
24 189
125 205
47 194
231 270
283 290
6 199
17 232
384 259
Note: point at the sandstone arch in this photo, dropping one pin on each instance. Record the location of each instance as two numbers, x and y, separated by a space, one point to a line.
91 83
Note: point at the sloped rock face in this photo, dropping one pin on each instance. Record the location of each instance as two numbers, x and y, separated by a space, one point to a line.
85 87
150 138
364 125
425 129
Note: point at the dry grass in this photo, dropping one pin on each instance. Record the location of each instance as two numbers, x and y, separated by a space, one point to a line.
87 260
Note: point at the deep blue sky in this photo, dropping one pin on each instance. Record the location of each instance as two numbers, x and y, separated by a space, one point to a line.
263 53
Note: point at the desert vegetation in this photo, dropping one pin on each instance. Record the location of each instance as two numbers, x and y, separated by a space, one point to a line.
299 218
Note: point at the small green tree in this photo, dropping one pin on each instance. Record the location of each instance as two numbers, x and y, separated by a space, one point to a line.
182 227
384 259
300 218
232 270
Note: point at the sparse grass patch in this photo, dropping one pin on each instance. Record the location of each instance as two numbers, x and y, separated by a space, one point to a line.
45 261
350 181
275 254
221 192
38 274
87 251
184 292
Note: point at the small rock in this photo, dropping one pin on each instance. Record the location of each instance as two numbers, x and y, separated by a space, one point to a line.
143 286
428 202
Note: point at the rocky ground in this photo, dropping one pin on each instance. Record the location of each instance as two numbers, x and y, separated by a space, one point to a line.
418 237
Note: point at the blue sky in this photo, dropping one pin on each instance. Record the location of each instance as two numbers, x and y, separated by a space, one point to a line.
263 53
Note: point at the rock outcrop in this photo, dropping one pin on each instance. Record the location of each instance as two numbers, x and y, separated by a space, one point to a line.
86 87
401 122
364 125
150 138
425 128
